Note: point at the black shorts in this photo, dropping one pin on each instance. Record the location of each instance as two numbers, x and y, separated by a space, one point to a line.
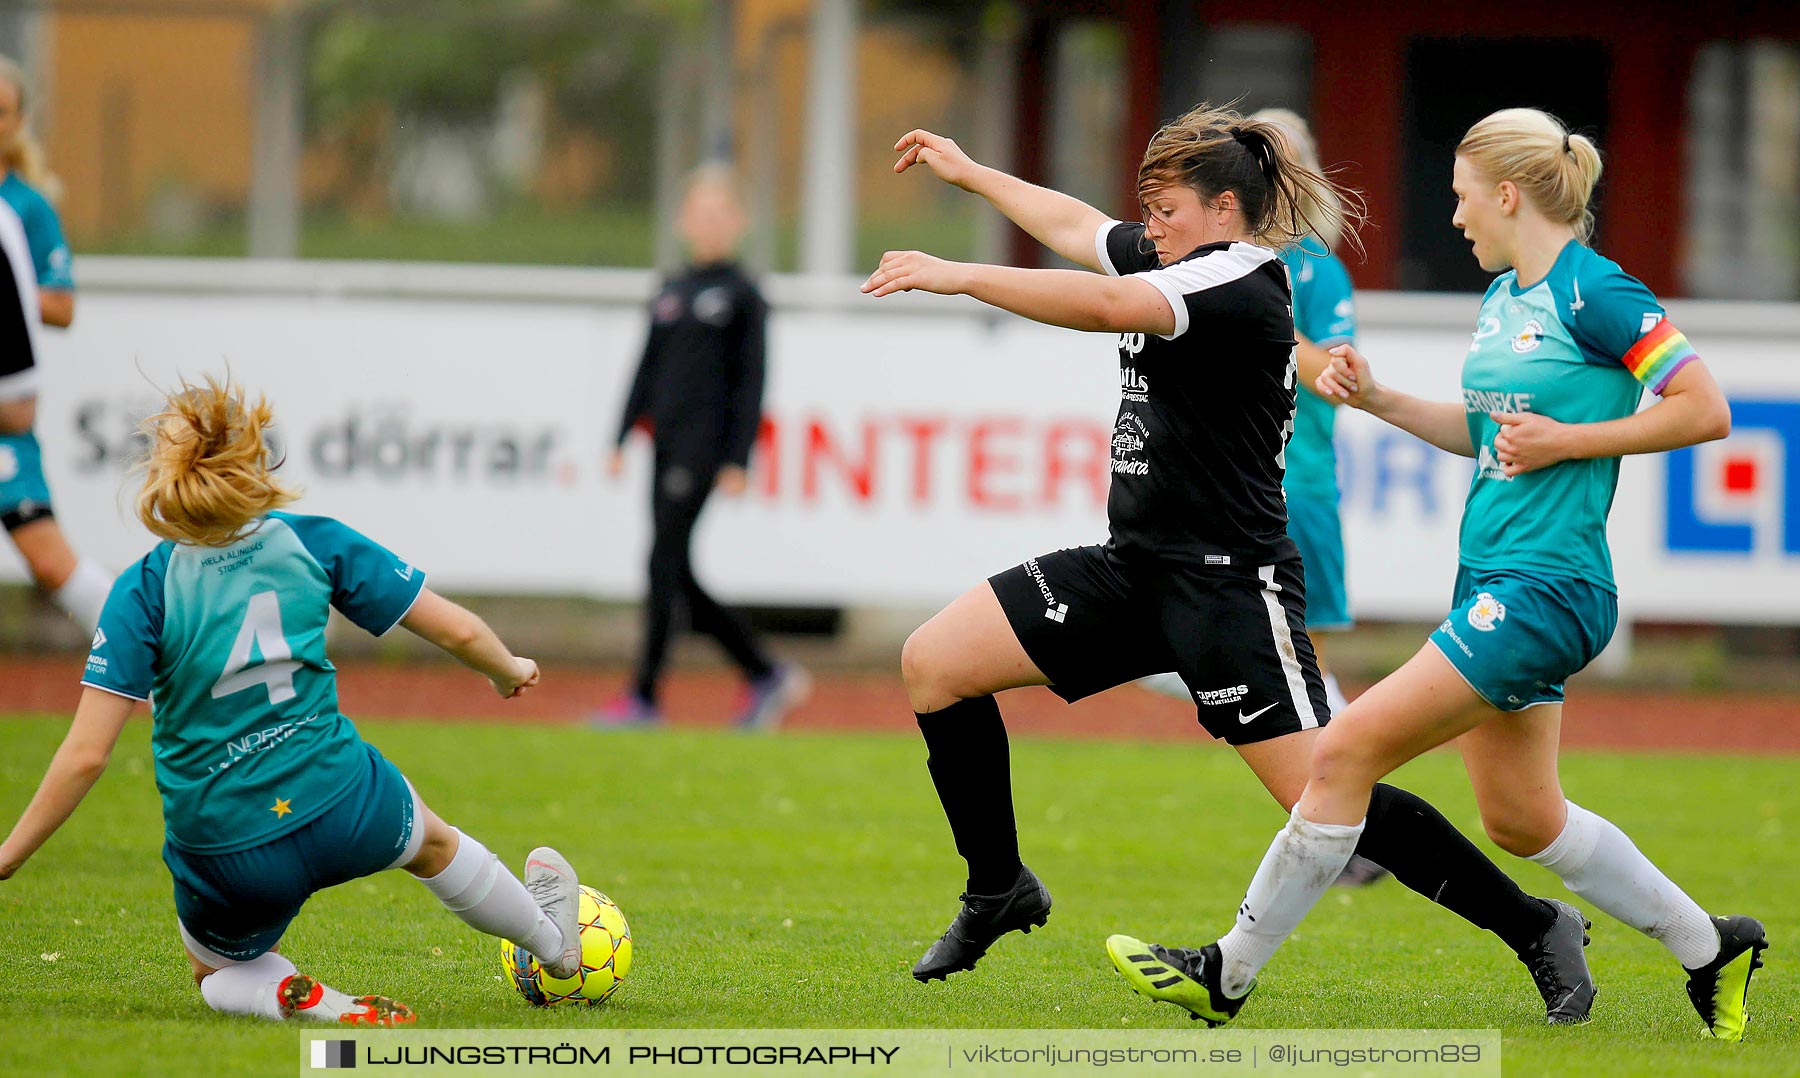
1236 635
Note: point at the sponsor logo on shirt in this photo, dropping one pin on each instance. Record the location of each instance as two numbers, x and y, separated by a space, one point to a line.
9 463
1133 386
1131 343
1488 466
1495 400
1130 436
231 560
405 572
1487 612
99 640
258 741
1651 318
1527 339
1231 694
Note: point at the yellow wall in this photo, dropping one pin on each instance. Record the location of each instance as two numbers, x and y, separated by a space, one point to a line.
144 102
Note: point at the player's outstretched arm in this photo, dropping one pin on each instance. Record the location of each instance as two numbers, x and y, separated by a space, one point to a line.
73 771
464 635
1693 409
1066 298
1063 223
1348 380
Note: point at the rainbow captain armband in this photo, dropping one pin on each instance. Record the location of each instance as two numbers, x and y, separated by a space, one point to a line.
1658 354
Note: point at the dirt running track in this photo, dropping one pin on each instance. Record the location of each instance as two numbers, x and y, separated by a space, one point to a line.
1594 718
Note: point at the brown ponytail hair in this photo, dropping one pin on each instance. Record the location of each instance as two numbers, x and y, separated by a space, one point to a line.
208 473
1554 168
1214 150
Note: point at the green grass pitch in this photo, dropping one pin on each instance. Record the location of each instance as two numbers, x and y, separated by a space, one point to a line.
792 881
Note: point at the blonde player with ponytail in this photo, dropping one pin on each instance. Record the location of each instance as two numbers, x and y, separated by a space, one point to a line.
268 793
41 293
1564 346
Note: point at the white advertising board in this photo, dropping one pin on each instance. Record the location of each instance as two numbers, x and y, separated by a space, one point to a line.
911 447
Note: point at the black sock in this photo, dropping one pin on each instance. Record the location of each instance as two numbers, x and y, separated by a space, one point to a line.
969 766
1409 838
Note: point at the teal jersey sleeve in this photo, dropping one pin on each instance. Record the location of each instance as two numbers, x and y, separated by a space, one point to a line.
370 584
1324 310
122 659
50 257
1605 308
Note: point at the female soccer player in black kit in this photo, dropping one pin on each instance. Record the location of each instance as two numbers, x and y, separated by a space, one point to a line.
1198 575
698 390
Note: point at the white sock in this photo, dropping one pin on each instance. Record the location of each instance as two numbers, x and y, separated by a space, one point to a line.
1334 696
490 899
84 593
1598 862
1301 864
248 987
1169 684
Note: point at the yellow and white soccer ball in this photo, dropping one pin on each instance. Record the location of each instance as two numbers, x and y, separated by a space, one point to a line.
605 958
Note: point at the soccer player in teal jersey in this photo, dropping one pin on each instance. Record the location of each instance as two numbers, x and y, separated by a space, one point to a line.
1565 344
42 293
268 793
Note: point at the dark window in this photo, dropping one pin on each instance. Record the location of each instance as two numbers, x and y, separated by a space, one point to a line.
1450 84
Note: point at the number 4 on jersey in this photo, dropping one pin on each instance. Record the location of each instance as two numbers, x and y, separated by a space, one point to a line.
261 632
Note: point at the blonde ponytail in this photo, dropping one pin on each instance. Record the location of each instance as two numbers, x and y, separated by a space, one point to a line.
1555 169
208 472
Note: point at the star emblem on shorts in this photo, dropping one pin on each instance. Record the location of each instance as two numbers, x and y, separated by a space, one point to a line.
280 807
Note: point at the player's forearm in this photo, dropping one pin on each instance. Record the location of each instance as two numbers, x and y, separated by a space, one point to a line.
1676 421
460 632
1070 299
1063 223
1312 361
72 774
1442 424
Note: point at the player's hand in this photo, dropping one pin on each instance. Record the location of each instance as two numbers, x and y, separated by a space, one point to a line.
525 675
1528 441
1348 379
903 271
731 481
615 464
942 156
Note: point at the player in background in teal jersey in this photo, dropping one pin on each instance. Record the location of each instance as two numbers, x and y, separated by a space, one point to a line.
268 792
1564 347
78 585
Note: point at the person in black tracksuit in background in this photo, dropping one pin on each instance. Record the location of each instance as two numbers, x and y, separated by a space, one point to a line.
698 392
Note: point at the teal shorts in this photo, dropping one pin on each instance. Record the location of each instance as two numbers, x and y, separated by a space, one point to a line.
24 496
1515 637
234 906
1314 526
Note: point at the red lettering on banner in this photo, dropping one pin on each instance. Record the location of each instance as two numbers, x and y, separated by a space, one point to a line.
765 462
997 464
821 450
922 432
985 462
1076 451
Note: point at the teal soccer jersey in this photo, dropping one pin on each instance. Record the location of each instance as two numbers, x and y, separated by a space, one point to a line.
43 233
1580 346
228 644
1324 314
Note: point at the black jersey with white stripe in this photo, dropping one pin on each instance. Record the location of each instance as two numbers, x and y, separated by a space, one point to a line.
1205 412
18 310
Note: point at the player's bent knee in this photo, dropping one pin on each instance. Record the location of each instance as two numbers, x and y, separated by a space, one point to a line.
1341 759
1520 834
